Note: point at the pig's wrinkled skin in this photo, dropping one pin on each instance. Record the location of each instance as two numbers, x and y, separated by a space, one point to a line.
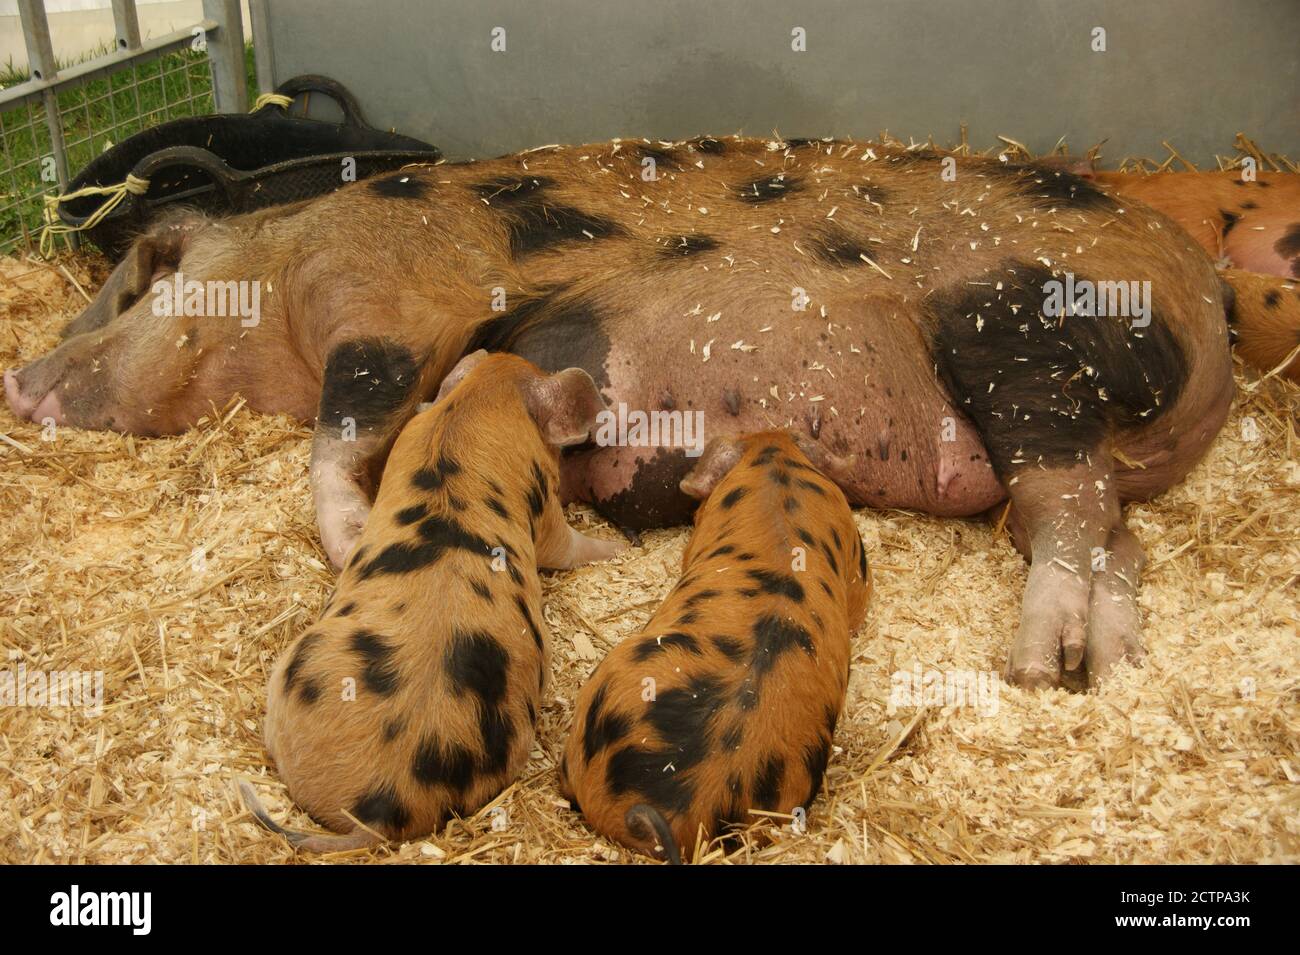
919 360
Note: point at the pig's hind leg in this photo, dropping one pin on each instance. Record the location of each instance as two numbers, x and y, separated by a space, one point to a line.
1047 396
1080 615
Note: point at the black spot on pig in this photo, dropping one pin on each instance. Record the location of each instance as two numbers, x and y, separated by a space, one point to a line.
730 647
1047 187
767 784
1288 247
732 497
436 536
662 157
410 515
536 224
815 759
529 622
773 637
768 189
682 717
309 692
707 144
649 646
913 157
734 735
450 765
601 729
834 246
802 142
1249 204
398 186
1272 298
653 497
497 731
380 671
551 330
1041 390
476 663
679 246
776 585
1230 219
299 659
367 380
381 809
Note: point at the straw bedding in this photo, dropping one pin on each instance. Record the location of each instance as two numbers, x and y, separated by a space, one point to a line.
181 567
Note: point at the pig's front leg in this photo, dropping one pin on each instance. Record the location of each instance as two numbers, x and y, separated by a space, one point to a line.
371 388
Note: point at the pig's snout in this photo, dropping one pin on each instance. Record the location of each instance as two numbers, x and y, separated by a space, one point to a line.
29 408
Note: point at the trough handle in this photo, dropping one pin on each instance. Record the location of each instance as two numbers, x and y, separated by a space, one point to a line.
224 177
315 83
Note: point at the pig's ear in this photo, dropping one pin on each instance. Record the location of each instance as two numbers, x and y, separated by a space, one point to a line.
835 466
457 374
720 456
1080 166
150 256
565 406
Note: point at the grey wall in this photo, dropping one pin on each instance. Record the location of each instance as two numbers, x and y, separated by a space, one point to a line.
1192 71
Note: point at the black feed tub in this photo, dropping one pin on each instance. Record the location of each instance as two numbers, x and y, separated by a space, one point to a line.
231 163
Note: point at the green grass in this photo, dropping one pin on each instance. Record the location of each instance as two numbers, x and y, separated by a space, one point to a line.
96 115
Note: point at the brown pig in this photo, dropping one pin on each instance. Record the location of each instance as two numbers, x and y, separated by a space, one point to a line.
415 695
728 700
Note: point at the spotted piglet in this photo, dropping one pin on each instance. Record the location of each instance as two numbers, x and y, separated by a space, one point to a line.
728 699
416 693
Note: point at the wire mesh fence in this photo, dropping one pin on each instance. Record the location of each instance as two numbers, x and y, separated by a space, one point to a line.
94 115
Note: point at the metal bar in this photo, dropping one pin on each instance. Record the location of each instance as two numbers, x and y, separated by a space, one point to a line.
43 66
226 54
127 23
259 14
33 89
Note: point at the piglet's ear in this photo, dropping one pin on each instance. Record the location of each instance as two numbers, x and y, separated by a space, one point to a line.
457 374
720 456
564 405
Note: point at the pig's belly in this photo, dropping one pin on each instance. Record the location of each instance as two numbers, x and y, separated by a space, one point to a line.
874 402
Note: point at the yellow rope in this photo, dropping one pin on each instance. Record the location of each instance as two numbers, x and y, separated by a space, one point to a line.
133 185
116 193
275 99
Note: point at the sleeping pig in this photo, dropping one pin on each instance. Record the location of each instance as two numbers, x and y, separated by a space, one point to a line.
727 701
415 695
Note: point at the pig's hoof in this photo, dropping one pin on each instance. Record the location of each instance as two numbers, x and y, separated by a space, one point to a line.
1052 638
1112 639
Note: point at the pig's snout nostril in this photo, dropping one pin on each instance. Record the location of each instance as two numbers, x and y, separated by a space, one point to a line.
31 409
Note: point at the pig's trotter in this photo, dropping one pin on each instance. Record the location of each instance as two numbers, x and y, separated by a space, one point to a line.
342 504
1067 517
1114 623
